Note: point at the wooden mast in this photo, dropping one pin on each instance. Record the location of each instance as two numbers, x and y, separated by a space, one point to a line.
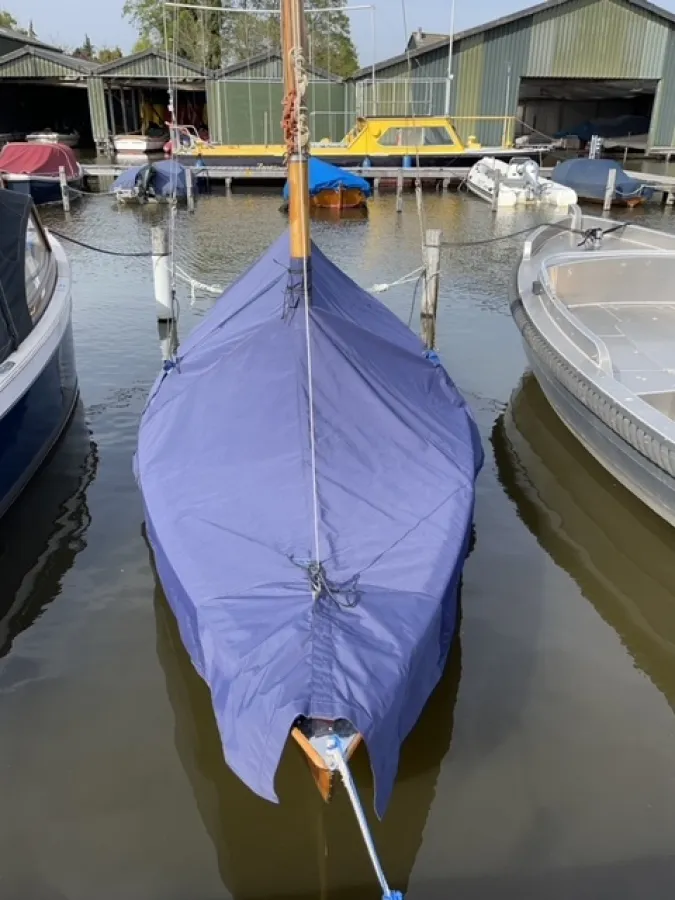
295 124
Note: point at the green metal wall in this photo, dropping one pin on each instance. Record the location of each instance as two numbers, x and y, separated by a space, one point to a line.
238 110
97 109
577 39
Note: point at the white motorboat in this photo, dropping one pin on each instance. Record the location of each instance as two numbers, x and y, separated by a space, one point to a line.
597 317
38 380
516 182
49 136
134 144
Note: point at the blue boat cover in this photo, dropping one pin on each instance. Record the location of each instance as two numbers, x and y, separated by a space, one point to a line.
617 126
325 177
588 177
167 175
224 466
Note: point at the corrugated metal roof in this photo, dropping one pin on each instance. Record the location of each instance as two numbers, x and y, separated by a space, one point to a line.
150 64
22 38
422 38
267 65
34 62
544 8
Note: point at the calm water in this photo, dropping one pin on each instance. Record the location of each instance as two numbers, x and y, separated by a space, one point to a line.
544 763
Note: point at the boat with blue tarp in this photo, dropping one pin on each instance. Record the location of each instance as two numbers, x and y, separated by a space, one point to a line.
151 183
308 473
331 187
588 177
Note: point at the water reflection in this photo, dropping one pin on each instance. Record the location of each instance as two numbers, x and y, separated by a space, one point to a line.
615 548
42 533
301 847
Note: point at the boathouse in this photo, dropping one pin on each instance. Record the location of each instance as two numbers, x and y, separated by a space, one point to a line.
549 66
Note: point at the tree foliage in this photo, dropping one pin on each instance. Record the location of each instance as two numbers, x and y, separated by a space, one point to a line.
215 39
108 54
86 51
7 20
195 36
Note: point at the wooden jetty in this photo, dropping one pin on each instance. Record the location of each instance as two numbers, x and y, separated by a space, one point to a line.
443 177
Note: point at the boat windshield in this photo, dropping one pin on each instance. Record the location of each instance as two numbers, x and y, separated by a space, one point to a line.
416 137
40 268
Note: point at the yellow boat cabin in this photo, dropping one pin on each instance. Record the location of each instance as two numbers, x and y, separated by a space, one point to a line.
378 141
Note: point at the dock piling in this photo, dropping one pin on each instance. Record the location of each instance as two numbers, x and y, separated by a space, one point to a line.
161 274
495 196
65 193
399 192
190 186
609 190
432 275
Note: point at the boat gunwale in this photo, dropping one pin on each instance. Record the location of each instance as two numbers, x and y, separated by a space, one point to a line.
621 417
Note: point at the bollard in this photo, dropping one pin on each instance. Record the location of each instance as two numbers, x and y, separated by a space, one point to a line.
65 193
161 274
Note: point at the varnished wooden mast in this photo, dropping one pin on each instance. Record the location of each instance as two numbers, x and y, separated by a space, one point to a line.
293 42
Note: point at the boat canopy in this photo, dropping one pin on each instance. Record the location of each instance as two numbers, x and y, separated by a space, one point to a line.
325 177
224 467
588 177
159 178
38 159
15 319
617 126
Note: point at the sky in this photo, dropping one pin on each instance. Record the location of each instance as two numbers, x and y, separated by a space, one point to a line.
65 23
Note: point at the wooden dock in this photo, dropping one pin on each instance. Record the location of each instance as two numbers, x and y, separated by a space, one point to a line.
441 176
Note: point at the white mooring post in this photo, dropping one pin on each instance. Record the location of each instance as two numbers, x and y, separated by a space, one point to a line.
190 185
495 196
609 190
432 275
161 274
399 192
65 194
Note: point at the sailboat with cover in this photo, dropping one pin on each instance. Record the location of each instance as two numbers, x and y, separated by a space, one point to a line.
308 476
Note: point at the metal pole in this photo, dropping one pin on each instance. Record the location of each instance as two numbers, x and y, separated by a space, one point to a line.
448 84
63 181
507 102
373 105
161 273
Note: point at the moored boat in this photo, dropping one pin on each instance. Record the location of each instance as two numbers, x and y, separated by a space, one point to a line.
33 169
331 187
38 381
157 182
49 136
312 554
588 177
132 144
516 183
598 324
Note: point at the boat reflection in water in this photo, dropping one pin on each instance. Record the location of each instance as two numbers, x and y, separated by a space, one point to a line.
301 847
615 548
43 532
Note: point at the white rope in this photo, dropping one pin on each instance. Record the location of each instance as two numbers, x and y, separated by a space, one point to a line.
339 763
197 285
297 59
404 279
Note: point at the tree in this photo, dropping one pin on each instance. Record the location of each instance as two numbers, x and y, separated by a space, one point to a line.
194 36
86 51
108 54
218 38
7 20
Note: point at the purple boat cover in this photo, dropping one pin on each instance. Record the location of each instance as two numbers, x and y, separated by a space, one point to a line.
224 466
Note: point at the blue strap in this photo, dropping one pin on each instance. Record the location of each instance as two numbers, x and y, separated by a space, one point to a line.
433 357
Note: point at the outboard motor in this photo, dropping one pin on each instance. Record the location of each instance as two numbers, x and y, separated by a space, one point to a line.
145 182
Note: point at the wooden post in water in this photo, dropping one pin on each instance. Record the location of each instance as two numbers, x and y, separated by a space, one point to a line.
432 275
190 186
609 190
293 45
399 192
161 273
65 193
